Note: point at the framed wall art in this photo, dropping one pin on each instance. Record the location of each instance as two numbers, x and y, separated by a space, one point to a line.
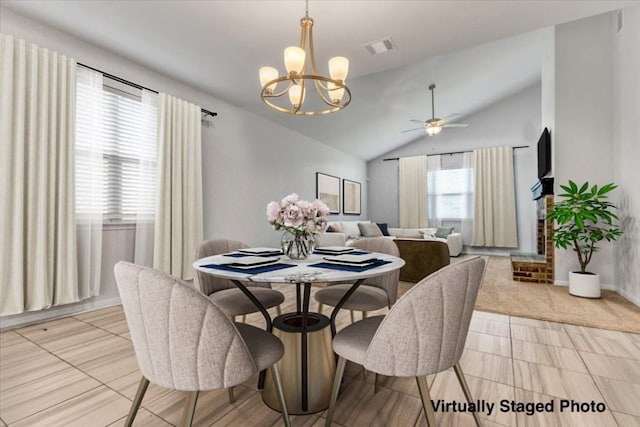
328 190
350 197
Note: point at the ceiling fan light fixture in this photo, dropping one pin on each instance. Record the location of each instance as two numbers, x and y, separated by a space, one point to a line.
302 74
433 130
434 125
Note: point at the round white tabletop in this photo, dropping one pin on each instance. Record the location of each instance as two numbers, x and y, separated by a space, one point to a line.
300 271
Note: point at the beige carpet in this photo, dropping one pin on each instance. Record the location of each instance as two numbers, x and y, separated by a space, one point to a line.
500 294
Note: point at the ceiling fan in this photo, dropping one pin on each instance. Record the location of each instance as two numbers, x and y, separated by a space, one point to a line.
434 125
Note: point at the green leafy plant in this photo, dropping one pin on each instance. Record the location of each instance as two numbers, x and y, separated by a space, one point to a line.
584 218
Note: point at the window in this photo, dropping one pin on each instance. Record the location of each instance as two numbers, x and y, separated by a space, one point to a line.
116 129
450 187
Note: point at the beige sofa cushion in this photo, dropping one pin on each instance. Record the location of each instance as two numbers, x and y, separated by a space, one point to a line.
369 230
351 229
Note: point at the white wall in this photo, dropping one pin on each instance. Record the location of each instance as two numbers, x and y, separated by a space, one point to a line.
513 121
548 92
583 129
247 161
626 152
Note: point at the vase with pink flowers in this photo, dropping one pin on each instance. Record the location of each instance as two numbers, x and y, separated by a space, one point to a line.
301 220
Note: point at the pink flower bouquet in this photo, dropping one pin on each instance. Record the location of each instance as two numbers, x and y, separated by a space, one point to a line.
298 217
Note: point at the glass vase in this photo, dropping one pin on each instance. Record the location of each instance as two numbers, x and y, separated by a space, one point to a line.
297 246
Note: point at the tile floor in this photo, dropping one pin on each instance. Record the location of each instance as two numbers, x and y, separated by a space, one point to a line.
81 371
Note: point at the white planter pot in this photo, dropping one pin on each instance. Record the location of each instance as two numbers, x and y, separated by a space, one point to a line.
584 285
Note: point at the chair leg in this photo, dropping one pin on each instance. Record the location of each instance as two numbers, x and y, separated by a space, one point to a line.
364 315
320 306
342 362
189 409
353 318
244 318
423 387
465 388
376 386
232 398
283 404
135 405
278 310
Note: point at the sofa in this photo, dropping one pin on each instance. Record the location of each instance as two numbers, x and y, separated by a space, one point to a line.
350 231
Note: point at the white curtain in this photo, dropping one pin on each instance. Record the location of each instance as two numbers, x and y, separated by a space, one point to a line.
143 254
178 227
38 258
89 179
466 222
494 203
412 191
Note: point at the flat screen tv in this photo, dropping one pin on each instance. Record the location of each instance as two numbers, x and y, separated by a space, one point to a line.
544 153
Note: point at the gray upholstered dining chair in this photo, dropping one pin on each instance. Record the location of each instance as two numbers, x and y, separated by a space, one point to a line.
423 333
375 293
225 294
183 341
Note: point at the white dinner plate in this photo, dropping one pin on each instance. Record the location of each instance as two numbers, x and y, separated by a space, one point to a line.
259 250
335 249
351 259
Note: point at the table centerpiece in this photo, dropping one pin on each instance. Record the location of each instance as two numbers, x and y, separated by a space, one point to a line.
301 220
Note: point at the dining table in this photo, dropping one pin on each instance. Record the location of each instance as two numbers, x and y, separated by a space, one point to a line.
324 266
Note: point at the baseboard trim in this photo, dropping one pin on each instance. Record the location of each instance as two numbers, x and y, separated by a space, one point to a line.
607 287
31 317
634 299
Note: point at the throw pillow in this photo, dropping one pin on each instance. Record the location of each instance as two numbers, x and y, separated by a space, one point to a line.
334 228
443 232
383 228
366 230
430 231
376 229
350 228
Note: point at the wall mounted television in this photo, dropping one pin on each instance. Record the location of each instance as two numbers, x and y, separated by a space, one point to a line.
544 153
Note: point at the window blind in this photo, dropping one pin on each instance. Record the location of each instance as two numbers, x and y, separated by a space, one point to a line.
116 134
450 187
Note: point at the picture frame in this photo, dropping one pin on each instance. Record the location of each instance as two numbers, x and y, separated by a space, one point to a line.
328 190
351 197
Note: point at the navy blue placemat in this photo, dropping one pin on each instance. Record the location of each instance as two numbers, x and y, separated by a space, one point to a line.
354 268
241 255
257 270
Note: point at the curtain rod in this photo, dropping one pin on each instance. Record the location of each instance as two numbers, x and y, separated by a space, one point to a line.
137 86
453 152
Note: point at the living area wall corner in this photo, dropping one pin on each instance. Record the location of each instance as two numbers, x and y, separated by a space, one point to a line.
596 132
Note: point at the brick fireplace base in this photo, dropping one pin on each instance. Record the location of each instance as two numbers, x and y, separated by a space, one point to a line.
537 268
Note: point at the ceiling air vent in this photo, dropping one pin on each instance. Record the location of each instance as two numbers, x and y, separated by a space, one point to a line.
380 46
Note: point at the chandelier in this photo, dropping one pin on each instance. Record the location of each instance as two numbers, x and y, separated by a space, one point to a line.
330 90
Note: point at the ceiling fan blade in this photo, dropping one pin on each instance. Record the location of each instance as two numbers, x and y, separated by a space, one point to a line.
450 118
411 130
416 121
455 125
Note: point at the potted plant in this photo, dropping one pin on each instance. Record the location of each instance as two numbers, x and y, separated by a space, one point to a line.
583 219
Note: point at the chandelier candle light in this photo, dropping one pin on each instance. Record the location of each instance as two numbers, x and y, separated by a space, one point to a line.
301 221
331 90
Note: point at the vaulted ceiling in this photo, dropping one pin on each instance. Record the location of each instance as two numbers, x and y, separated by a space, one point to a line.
476 52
